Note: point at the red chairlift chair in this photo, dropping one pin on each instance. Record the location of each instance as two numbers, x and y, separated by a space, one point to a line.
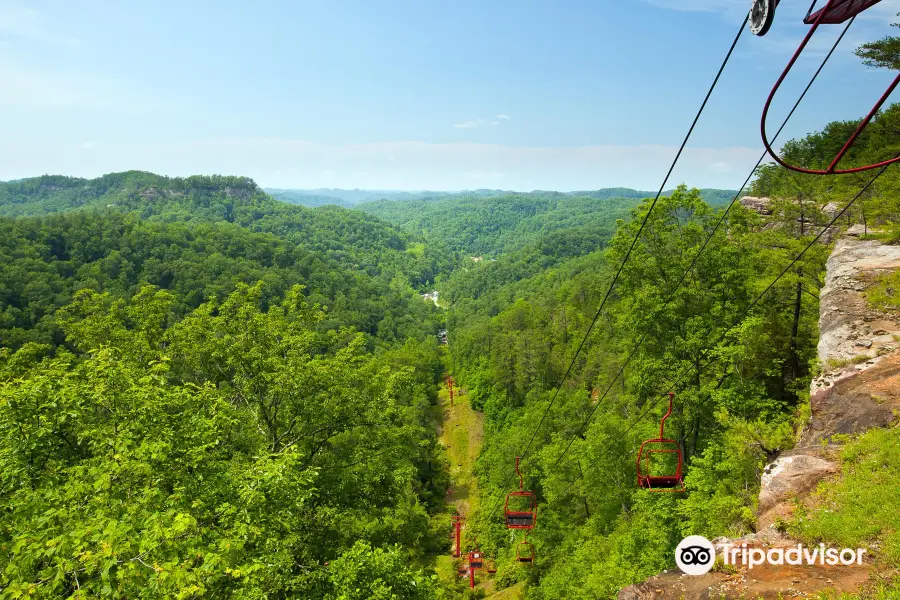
834 12
525 551
476 560
520 509
661 451
490 566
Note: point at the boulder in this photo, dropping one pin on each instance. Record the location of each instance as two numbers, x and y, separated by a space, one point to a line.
761 206
790 477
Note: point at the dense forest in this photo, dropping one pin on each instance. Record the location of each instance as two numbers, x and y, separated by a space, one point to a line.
209 392
677 320
490 226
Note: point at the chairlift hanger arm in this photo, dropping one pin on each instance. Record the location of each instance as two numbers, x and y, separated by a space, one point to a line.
835 11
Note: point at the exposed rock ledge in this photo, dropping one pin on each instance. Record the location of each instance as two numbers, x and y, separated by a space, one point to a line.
859 389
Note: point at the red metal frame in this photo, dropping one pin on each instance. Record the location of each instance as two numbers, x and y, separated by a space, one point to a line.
842 10
839 11
525 551
660 483
521 519
457 526
476 559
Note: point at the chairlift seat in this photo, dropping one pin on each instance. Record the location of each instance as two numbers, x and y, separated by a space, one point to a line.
839 11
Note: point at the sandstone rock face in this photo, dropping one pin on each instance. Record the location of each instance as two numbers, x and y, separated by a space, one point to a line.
859 389
792 475
854 400
844 316
758 205
860 385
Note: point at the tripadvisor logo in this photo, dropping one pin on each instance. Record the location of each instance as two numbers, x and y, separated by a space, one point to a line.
696 555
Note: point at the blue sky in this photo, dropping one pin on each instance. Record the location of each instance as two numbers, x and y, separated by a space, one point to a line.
409 95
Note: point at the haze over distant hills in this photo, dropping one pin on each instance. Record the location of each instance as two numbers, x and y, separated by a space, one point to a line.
349 198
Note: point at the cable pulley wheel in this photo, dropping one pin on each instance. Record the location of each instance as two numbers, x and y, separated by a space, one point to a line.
762 14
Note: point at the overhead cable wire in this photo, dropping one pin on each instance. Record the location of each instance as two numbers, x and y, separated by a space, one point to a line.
703 246
747 309
637 236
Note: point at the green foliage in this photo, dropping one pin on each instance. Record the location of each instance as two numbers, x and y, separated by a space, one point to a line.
511 341
364 573
861 509
43 262
187 458
883 53
356 240
477 226
257 422
306 199
885 293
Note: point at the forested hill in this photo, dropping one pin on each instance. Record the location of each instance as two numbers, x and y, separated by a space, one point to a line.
357 240
349 198
493 225
199 237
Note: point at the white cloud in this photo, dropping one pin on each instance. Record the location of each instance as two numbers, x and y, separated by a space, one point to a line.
278 162
479 122
26 23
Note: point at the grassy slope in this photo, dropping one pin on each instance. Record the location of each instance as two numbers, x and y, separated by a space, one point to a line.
462 433
861 508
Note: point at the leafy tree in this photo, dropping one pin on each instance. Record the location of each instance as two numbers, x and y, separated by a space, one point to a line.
883 53
178 458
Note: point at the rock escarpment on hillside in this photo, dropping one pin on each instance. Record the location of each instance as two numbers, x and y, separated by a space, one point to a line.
858 389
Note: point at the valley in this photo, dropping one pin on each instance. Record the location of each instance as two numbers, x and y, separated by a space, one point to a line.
211 392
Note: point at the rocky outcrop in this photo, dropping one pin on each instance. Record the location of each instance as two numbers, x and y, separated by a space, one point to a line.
793 474
762 206
859 387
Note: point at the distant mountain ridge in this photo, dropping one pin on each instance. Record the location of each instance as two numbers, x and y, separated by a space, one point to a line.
356 240
351 198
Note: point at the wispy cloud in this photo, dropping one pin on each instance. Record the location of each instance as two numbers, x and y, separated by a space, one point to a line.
26 23
278 162
473 123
